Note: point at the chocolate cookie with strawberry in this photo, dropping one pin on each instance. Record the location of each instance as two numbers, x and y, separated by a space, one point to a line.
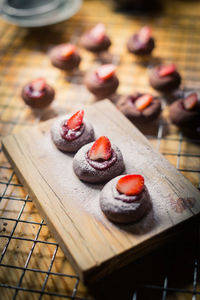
125 199
69 133
139 108
142 42
185 111
164 78
65 57
98 162
102 82
38 94
96 39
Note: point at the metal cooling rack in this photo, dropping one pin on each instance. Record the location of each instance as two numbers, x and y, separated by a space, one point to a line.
156 285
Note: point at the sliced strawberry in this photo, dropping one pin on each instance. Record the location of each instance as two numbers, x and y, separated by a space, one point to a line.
145 34
38 84
67 50
75 122
106 71
130 185
191 101
101 149
98 32
142 102
166 70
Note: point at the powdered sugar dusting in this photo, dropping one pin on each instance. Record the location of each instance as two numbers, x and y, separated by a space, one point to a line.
138 159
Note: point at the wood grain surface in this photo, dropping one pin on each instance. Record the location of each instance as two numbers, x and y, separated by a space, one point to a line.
94 245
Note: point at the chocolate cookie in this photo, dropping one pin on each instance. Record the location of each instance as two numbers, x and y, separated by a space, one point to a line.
185 111
98 162
142 42
65 57
38 94
96 39
70 133
125 199
102 82
139 108
164 78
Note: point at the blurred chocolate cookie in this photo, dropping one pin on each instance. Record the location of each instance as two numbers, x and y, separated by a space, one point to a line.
65 57
139 108
102 82
164 78
38 94
96 39
142 42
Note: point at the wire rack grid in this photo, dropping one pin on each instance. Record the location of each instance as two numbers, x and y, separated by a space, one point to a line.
32 266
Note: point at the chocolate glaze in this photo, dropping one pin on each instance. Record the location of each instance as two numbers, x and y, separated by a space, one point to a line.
101 88
121 208
85 135
165 84
71 135
37 99
85 172
67 64
182 117
135 46
91 44
126 104
102 164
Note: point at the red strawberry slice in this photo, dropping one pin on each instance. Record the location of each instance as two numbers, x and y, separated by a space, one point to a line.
75 122
98 32
142 102
67 50
38 84
145 34
101 149
130 185
106 71
167 70
190 101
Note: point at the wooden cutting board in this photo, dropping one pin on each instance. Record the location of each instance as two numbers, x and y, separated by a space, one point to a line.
94 245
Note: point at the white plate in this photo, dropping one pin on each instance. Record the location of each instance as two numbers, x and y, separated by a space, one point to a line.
65 10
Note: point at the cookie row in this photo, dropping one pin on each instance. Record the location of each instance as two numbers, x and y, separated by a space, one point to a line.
124 198
103 81
139 108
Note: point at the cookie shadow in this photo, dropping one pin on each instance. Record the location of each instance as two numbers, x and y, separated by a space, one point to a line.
114 98
52 111
105 57
157 128
95 186
45 113
75 77
173 96
144 225
147 61
48 114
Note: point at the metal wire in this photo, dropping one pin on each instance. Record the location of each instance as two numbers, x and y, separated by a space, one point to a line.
165 289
